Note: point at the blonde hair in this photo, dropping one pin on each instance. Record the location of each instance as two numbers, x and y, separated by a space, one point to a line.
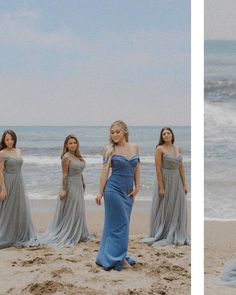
111 147
65 148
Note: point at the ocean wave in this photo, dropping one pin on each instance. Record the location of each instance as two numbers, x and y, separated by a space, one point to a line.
89 159
87 196
220 219
219 115
220 90
39 160
42 196
219 204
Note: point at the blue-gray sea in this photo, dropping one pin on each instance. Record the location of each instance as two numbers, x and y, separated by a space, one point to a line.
42 146
220 130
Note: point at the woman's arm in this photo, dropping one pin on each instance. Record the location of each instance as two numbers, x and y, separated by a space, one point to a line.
182 174
158 164
136 176
82 177
65 162
3 193
103 179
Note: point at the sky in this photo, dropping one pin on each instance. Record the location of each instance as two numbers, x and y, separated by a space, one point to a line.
220 19
91 62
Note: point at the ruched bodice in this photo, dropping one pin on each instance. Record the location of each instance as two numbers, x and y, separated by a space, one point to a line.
122 176
76 168
171 162
13 165
123 166
118 207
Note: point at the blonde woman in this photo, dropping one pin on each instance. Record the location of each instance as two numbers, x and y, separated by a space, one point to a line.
68 226
119 191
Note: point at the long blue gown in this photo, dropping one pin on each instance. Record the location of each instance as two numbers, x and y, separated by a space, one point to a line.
118 207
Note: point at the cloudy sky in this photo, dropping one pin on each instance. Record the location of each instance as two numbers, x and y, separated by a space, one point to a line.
90 62
220 19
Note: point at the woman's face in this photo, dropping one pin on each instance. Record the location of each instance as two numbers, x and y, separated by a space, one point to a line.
9 141
116 134
167 135
72 145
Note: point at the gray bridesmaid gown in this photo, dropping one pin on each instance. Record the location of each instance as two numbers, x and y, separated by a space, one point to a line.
68 226
228 275
16 227
168 224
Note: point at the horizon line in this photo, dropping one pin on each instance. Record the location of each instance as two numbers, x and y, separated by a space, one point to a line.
130 125
217 39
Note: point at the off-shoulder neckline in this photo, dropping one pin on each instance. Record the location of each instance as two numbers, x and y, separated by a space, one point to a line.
128 159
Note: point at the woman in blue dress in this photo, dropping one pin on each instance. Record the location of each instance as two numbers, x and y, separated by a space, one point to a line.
16 226
119 191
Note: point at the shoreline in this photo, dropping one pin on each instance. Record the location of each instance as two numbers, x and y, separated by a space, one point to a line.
44 270
94 216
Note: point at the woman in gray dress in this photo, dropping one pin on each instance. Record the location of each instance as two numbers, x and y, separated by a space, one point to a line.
68 226
16 227
168 224
228 275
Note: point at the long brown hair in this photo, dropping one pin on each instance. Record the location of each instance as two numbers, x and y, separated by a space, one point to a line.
161 141
13 135
65 148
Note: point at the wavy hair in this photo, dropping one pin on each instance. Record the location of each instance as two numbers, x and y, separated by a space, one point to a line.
161 141
111 146
13 135
65 148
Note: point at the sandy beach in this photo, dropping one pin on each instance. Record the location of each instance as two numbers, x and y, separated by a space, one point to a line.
43 270
220 241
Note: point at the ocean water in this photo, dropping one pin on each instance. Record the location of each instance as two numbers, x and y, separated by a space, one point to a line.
42 146
220 130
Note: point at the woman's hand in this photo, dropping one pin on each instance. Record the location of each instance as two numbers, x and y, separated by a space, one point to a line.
3 195
98 199
185 189
134 193
62 195
161 192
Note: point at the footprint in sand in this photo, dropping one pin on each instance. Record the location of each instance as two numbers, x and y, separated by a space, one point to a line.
73 260
140 265
57 273
30 262
163 267
35 248
48 254
52 287
93 268
132 292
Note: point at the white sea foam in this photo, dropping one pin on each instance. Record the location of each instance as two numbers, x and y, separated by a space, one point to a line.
90 160
219 115
39 160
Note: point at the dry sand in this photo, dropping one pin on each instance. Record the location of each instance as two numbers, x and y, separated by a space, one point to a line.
43 270
220 248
